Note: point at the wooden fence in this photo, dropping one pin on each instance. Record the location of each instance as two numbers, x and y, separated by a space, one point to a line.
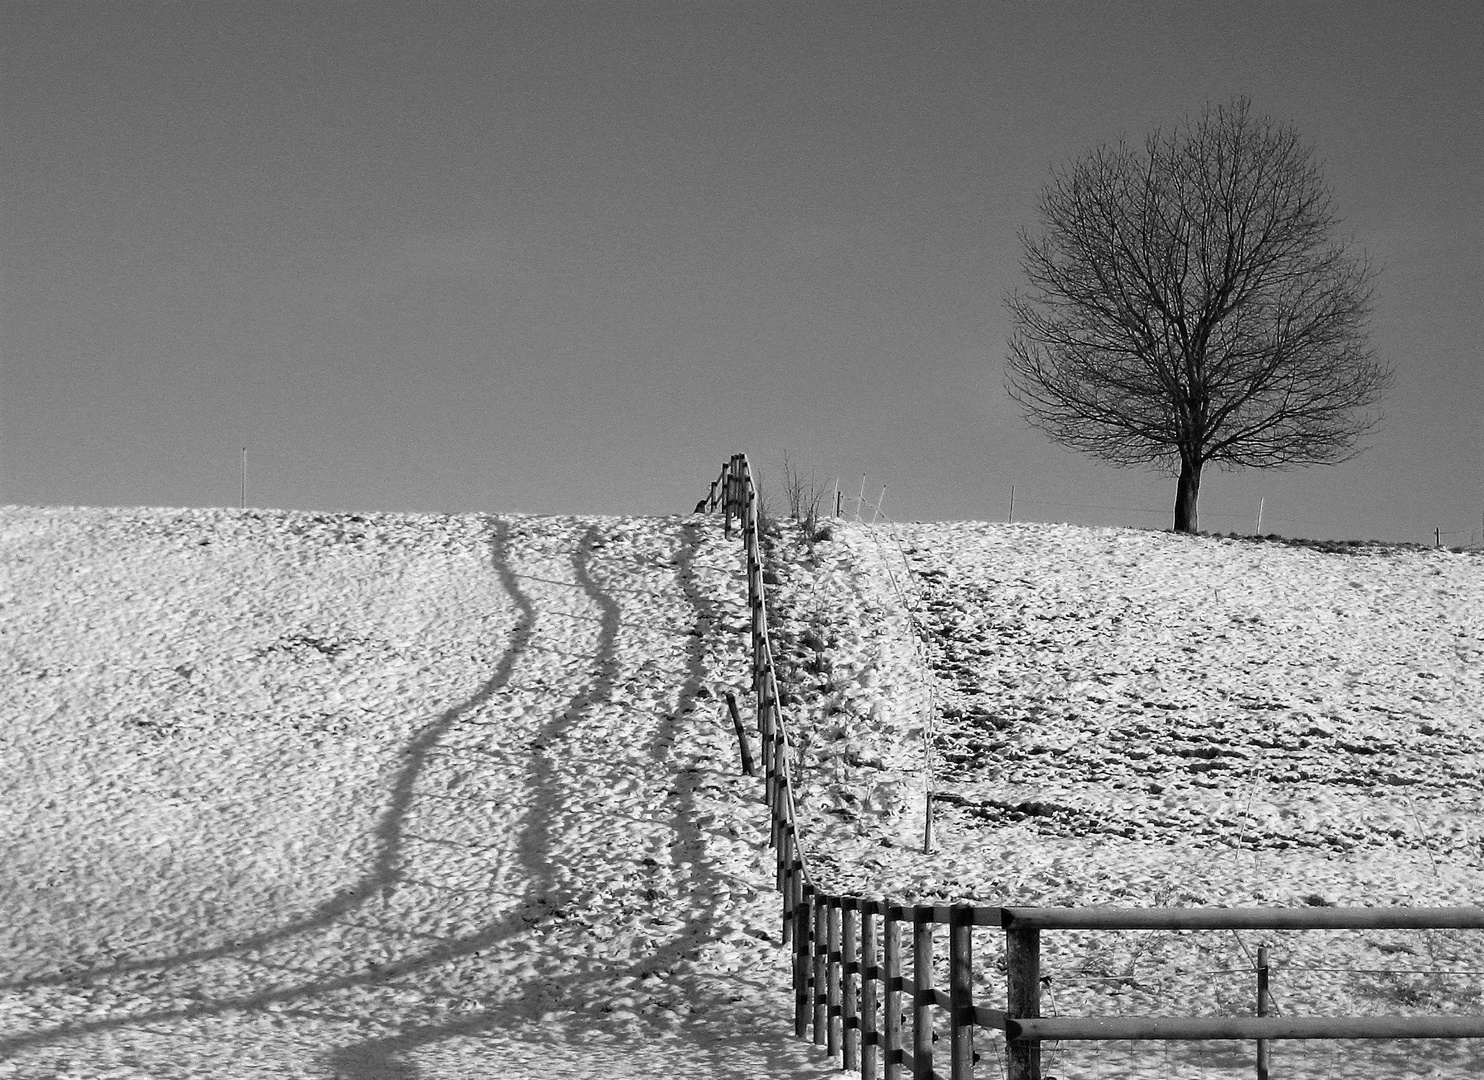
850 992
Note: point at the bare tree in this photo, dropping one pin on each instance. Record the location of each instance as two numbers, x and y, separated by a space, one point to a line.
1189 304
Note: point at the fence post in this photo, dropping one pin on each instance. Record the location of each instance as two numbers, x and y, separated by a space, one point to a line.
892 932
850 1020
1023 978
802 970
821 974
728 487
755 602
798 871
922 997
780 849
834 972
961 991
1262 1009
776 750
870 1034
786 861
747 766
768 719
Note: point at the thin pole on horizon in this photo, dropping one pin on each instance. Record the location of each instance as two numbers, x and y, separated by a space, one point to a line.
244 478
1012 504
1258 530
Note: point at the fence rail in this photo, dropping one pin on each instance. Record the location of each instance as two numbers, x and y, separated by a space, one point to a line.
849 974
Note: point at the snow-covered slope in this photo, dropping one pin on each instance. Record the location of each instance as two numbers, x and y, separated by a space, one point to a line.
391 795
1137 718
298 795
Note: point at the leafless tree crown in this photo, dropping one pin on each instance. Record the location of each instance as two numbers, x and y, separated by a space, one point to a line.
1188 303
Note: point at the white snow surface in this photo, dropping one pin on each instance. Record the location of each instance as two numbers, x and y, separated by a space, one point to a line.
1138 718
383 795
390 795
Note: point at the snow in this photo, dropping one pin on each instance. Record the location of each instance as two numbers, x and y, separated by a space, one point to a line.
380 795
390 795
1138 718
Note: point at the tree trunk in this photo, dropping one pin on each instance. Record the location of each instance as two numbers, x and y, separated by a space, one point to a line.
1187 495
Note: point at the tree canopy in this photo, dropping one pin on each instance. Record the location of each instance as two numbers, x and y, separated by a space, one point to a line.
1190 303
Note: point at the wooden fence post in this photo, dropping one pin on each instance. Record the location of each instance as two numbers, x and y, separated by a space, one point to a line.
821 975
833 971
892 935
782 877
780 778
726 500
961 991
1262 1009
850 983
1023 1000
798 871
870 975
747 766
786 860
922 997
803 923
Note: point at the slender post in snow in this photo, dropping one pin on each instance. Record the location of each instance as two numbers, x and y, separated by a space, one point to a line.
1012 504
878 504
1263 1060
1259 515
860 499
244 478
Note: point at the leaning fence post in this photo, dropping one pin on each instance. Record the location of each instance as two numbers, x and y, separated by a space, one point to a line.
850 983
1023 999
892 934
1262 1009
922 997
747 766
870 974
961 991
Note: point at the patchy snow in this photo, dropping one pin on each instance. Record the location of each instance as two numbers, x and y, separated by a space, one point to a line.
386 795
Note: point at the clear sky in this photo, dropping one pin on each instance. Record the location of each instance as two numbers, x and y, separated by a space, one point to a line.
565 258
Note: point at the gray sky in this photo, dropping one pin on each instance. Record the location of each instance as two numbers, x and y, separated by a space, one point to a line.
565 258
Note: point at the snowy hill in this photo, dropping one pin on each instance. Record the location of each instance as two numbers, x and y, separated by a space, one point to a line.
334 795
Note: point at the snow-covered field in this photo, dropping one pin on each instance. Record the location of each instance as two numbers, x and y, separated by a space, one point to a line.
297 795
394 795
1138 718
